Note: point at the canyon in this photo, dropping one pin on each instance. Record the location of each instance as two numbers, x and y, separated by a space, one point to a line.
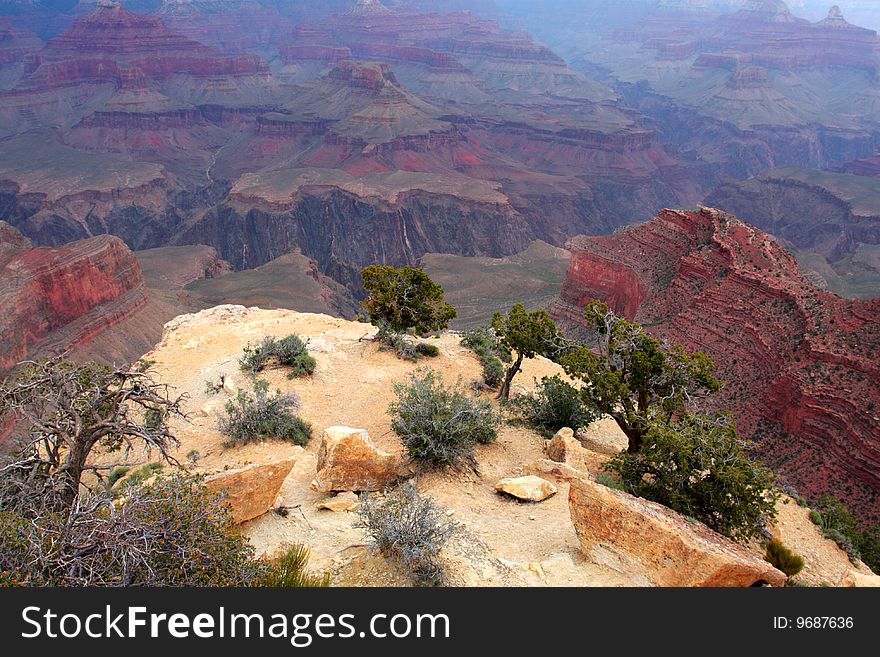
799 363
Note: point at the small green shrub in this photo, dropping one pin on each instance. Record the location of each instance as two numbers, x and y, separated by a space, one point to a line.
491 353
610 482
555 404
411 529
779 556
816 517
290 570
440 426
141 474
493 373
838 525
290 352
116 474
429 350
406 347
260 416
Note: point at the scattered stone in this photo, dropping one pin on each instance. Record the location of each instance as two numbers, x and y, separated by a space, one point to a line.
349 461
527 489
558 471
670 550
251 490
346 501
565 448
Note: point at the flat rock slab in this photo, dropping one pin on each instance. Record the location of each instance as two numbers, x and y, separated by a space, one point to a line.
349 461
251 490
660 543
340 502
528 489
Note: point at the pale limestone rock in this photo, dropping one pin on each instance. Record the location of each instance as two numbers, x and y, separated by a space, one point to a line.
346 501
251 490
349 461
669 549
528 488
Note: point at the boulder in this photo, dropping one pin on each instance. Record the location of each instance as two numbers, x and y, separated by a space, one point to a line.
669 549
346 501
349 461
565 448
251 490
528 489
559 471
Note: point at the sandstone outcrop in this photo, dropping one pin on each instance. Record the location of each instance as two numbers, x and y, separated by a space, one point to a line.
349 461
347 501
251 490
798 362
55 299
668 548
526 489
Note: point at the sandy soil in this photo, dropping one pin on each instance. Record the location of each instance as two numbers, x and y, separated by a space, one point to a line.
501 542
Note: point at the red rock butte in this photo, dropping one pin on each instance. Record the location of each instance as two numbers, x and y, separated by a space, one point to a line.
800 364
55 299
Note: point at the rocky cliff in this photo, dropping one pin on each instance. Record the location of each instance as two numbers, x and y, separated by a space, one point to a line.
52 300
799 363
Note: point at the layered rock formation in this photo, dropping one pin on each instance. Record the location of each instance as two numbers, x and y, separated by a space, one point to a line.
55 299
799 363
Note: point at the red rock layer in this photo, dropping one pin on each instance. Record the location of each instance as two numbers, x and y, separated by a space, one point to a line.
800 364
113 44
54 299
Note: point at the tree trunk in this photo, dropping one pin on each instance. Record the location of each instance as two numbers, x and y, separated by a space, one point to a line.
508 378
72 470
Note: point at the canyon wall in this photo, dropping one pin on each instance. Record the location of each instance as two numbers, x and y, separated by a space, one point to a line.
799 364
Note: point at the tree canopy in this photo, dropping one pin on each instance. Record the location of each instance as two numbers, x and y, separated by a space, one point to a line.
526 334
633 377
404 299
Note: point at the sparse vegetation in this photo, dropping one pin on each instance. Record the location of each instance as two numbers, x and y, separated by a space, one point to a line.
440 426
554 405
697 466
289 569
290 352
491 353
779 556
409 528
408 348
260 415
172 532
839 525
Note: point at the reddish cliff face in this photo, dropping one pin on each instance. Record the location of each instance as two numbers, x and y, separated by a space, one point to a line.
55 299
800 363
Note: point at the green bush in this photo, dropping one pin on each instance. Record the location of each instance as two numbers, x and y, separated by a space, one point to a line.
697 466
491 353
779 556
440 426
555 404
410 529
290 570
493 373
290 352
838 524
260 416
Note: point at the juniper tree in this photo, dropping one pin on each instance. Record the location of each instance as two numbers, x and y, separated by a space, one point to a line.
526 334
634 377
60 411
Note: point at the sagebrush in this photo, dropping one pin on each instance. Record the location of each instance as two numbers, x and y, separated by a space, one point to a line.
554 404
290 352
260 415
438 425
409 528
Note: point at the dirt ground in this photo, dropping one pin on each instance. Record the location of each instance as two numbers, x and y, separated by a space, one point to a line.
500 542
